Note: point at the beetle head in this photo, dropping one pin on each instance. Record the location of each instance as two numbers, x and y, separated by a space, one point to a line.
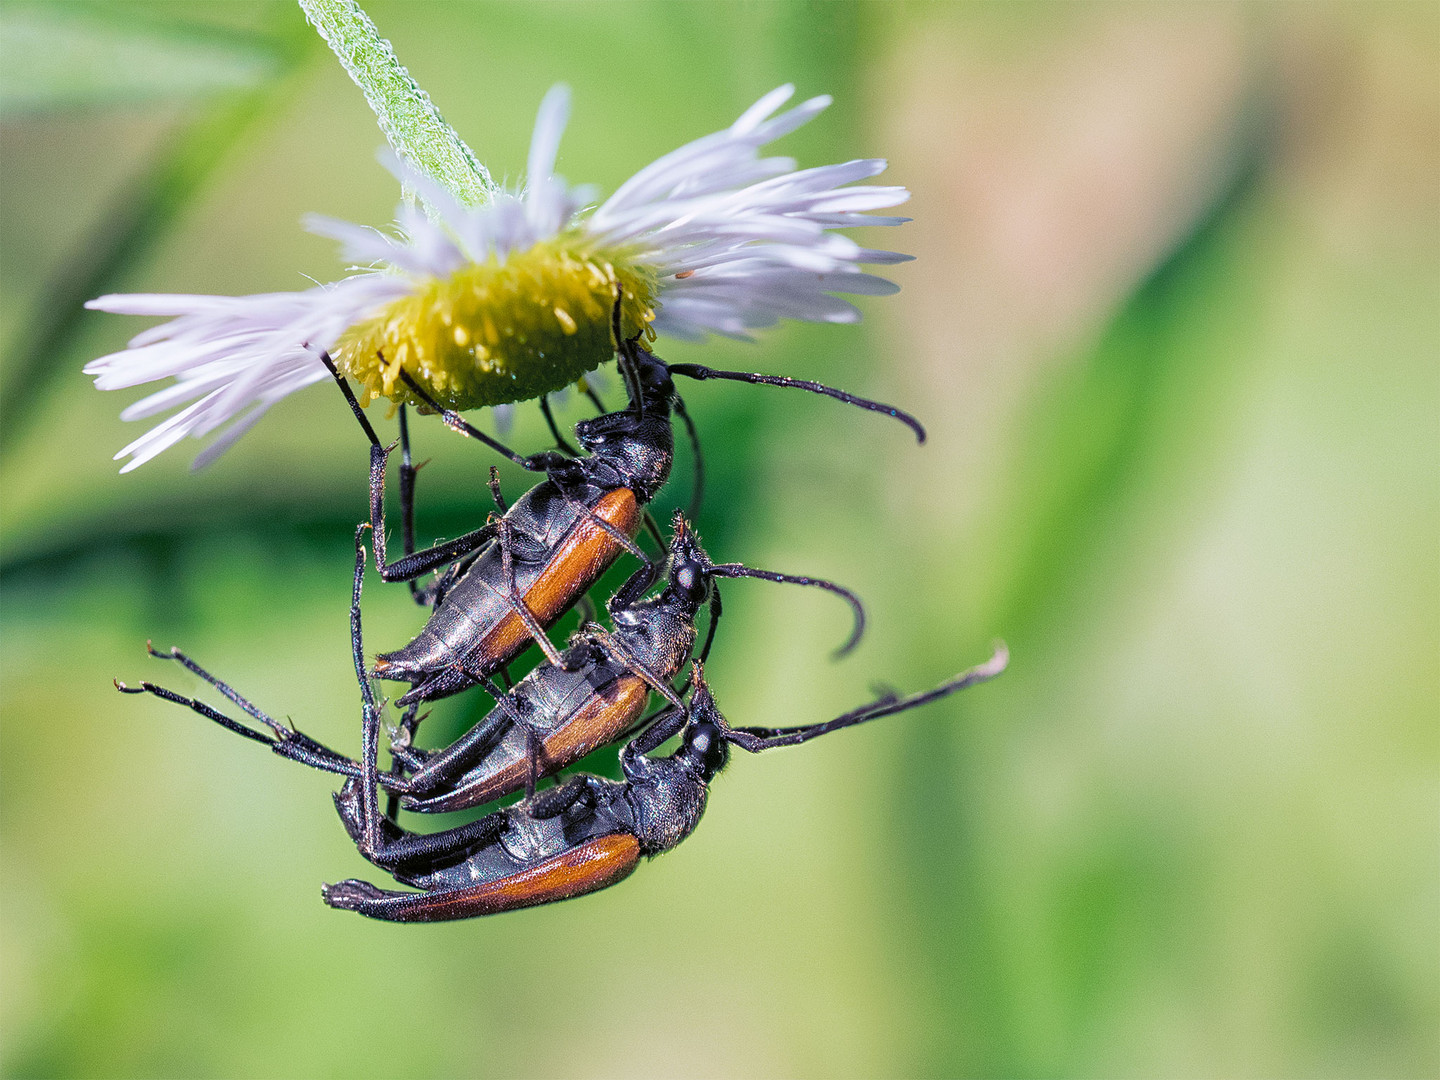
703 743
690 567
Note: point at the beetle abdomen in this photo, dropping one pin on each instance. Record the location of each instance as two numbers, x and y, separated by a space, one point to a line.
599 721
477 630
588 867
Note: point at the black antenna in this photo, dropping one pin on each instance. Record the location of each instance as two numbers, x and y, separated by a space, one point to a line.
734 570
756 739
701 373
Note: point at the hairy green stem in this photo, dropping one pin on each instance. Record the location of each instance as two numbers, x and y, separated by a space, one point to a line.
407 116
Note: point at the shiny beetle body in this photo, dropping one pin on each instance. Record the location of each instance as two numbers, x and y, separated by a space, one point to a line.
558 713
513 578
585 835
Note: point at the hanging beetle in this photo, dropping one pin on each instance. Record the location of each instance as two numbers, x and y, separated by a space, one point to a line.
512 578
588 833
556 714
579 837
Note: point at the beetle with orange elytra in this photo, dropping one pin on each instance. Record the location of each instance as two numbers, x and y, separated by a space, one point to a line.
502 585
579 837
556 714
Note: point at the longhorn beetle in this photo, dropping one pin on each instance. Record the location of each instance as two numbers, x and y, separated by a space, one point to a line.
512 578
588 833
556 714
579 837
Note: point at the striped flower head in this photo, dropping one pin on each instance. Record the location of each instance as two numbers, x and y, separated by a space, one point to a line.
513 299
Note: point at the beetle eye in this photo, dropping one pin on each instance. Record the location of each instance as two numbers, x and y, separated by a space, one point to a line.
707 747
687 577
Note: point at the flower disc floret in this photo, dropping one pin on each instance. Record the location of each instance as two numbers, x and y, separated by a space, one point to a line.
512 299
500 331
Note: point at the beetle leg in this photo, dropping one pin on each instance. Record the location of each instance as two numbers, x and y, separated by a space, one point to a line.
565 447
612 648
495 492
432 558
578 790
370 820
433 595
230 694
438 769
614 533
517 602
414 563
398 851
287 742
645 722
658 727
634 587
545 461
400 740
410 758
424 595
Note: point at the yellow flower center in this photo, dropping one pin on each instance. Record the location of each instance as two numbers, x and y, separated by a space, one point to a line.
497 331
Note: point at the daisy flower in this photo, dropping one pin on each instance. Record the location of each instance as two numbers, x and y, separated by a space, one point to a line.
512 299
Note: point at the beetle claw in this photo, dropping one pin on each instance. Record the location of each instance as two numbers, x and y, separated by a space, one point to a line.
350 894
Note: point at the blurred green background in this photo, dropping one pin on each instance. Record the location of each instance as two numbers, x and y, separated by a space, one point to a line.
1174 329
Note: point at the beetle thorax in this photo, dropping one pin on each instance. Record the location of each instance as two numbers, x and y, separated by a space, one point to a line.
657 634
638 449
667 802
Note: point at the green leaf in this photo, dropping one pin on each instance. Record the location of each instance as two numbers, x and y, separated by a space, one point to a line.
63 56
136 220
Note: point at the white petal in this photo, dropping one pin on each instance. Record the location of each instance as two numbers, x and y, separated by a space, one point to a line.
753 234
226 439
159 438
876 257
234 354
752 116
549 127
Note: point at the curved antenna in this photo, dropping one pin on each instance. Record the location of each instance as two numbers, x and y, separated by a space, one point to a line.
756 739
734 570
560 443
595 398
700 372
697 489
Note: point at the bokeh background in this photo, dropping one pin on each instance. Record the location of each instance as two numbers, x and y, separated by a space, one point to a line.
1174 329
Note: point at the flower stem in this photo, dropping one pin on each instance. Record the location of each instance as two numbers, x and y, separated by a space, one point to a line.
407 116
